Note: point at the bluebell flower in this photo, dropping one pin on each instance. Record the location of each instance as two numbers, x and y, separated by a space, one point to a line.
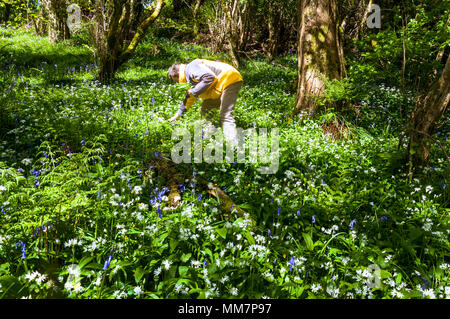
36 232
99 193
269 232
82 142
443 184
352 223
159 211
385 217
291 263
157 154
279 210
21 243
107 262
182 188
298 212
199 197
314 219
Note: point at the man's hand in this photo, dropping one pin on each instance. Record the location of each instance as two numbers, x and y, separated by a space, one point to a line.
174 118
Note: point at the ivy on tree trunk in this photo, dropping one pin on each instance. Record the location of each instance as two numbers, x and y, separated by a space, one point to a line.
319 50
118 50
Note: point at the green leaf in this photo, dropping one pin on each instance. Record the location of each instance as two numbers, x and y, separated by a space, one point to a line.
11 287
398 279
138 274
182 270
173 244
222 232
185 257
250 238
385 274
84 261
308 241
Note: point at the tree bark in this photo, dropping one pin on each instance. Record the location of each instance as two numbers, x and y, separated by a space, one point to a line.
57 13
194 17
320 50
116 51
230 35
273 27
6 13
424 119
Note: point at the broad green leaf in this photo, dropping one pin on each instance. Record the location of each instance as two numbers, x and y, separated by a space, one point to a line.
308 241
182 270
222 232
138 274
185 257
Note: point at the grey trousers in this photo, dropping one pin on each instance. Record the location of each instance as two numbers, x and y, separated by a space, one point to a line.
226 102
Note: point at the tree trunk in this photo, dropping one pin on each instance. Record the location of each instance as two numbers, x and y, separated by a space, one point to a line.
57 14
273 27
230 34
424 119
194 17
116 52
320 50
6 13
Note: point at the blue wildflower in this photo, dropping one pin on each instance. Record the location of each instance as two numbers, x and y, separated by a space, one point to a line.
107 262
298 212
199 197
314 219
291 263
352 223
159 211
21 243
279 210
269 232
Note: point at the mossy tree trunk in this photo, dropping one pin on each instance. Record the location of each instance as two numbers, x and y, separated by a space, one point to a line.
194 17
231 33
117 48
424 120
320 50
58 29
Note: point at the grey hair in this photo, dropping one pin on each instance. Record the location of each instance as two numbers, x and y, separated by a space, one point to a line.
174 70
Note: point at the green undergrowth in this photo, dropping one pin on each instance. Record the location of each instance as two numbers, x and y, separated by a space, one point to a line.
85 205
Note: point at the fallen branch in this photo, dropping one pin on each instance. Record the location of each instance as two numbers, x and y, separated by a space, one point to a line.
166 167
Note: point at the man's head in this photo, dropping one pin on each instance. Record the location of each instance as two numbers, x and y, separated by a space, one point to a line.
174 72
